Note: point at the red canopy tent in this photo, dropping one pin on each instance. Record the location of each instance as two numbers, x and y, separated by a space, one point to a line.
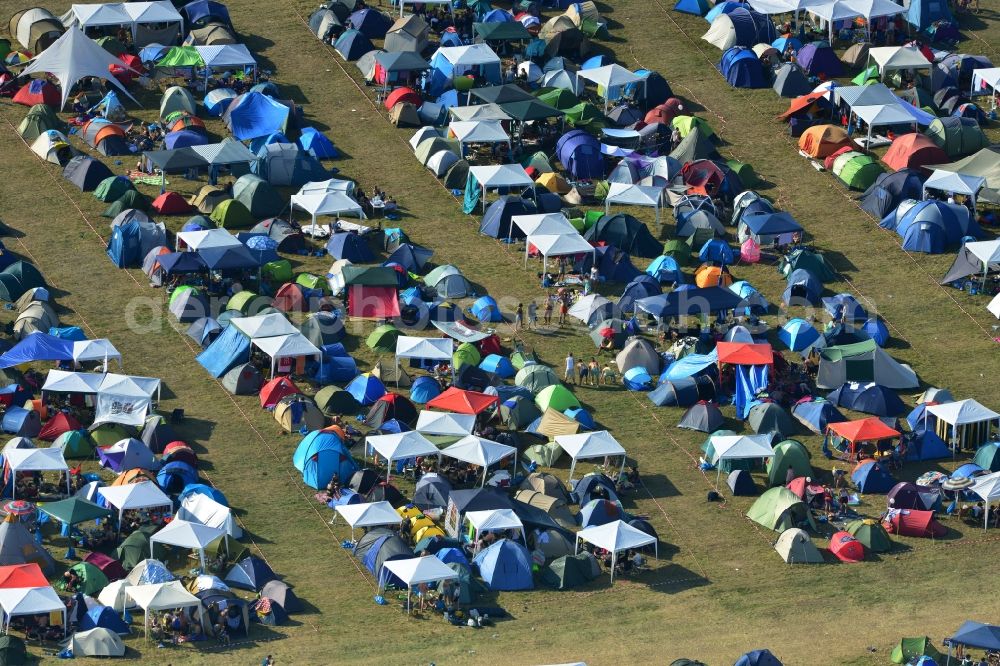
863 430
463 402
744 353
22 575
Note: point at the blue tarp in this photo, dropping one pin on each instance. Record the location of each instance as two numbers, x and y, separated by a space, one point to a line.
226 351
750 379
38 347
977 635
73 333
689 366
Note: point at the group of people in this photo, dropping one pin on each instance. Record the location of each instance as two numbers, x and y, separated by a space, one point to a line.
589 373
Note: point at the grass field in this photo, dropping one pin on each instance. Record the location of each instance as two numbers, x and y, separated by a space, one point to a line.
719 588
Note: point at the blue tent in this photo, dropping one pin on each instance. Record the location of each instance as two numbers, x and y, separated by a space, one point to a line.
498 16
845 307
320 455
105 617
798 334
891 189
741 68
231 258
252 115
21 421
452 556
317 143
642 286
226 352
38 347
696 7
877 331
352 247
202 489
424 389
770 223
637 379
251 573
581 416
257 145
612 265
497 218
758 658
872 477
217 101
14 394
817 414
916 417
665 269
930 226
411 257
967 470
868 398
498 365
782 43
184 138
175 476
580 154
922 13
125 248
205 10
506 565
752 301
485 309
451 39
335 370
803 287
926 445
366 389
751 28
601 512
694 301
371 23
72 333
716 250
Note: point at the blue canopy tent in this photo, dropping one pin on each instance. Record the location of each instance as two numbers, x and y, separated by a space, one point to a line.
975 634
176 263
766 226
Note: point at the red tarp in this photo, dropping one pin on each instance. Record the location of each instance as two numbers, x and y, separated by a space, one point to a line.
870 429
372 302
744 353
462 402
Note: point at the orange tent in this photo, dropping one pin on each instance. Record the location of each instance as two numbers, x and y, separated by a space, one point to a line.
463 402
801 103
712 276
107 129
863 430
136 475
403 94
22 575
744 353
187 121
914 151
821 140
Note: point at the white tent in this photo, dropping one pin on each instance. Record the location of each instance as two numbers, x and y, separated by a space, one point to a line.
445 423
226 55
415 571
543 224
292 345
17 601
740 447
399 446
463 58
447 3
834 11
782 6
200 508
994 306
493 520
586 445
125 399
489 111
965 417
264 326
162 596
955 183
96 15
881 115
987 252
586 307
131 15
425 132
61 381
206 238
331 185
186 534
987 487
370 514
559 245
429 349
634 195
324 203
478 451
611 79
478 131
75 56
494 176
96 350
983 79
36 460
114 595
891 58
142 495
616 537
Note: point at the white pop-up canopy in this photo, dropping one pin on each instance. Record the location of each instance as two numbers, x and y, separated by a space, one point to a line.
415 571
881 115
264 326
125 399
968 420
558 245
62 381
36 460
75 56
891 58
447 3
200 508
292 345
627 194
134 15
493 176
464 57
399 446
987 252
543 224
955 183
740 447
987 487
369 514
96 350
325 203
983 79
162 596
187 534
428 349
207 238
226 55
445 423
479 131
478 451
489 111
994 306
586 445
142 495
611 79
834 11
616 537
493 520
17 601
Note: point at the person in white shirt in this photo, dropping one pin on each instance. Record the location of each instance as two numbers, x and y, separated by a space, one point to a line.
570 375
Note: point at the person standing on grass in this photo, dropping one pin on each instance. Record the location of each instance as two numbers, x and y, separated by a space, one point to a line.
570 374
532 314
584 372
594 372
519 317
547 315
563 309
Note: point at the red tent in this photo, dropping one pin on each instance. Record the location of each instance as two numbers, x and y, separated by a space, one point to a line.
403 94
57 425
846 548
914 151
39 91
180 452
372 302
702 176
108 565
123 72
744 353
804 488
863 430
489 345
22 575
171 203
832 157
289 298
913 522
463 402
275 390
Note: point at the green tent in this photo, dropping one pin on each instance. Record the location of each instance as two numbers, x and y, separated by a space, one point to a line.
40 119
871 534
592 217
112 46
132 199
369 276
4 48
241 301
867 75
857 170
679 251
92 579
584 114
518 412
780 509
383 339
688 123
559 98
958 136
530 109
135 548
568 571
332 400
465 353
809 260
519 359
556 397
744 172
179 291
539 160
310 281
74 510
545 455
277 271
988 457
235 551
501 31
788 453
259 197
107 434
231 214
17 279
535 377
181 56
910 649
112 188
74 444
13 652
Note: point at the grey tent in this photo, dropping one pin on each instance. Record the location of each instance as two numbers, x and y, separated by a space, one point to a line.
86 172
204 330
795 547
535 377
244 379
448 282
741 483
432 492
279 591
258 196
287 165
18 547
789 81
638 353
325 24
519 412
702 416
856 56
157 433
333 400
690 223
683 392
457 175
287 235
190 305
569 571
323 328
695 146
407 34
966 264
770 417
